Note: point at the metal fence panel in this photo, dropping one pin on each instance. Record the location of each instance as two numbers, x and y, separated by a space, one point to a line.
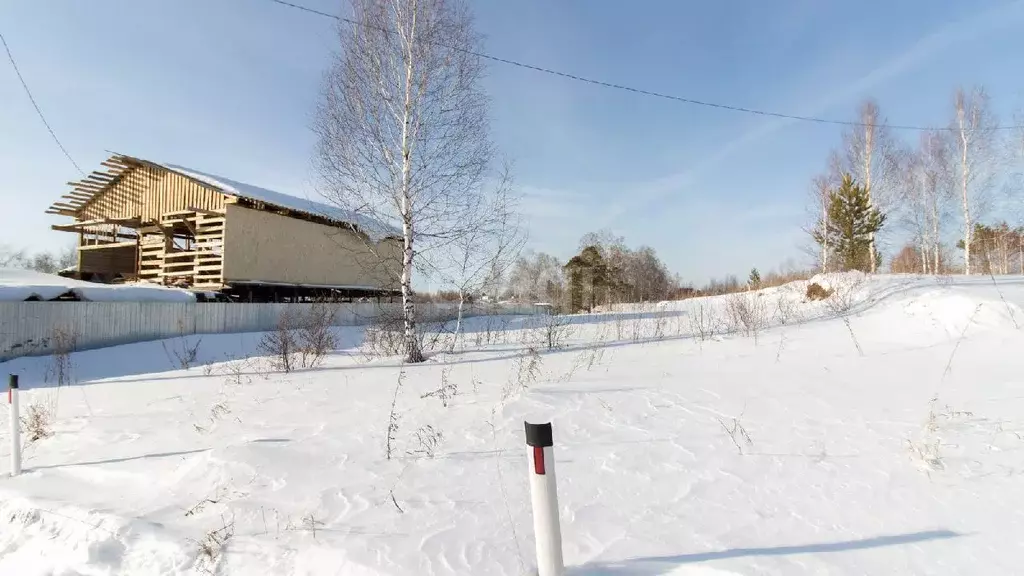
29 328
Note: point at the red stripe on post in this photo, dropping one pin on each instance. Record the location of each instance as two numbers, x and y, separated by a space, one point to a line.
538 460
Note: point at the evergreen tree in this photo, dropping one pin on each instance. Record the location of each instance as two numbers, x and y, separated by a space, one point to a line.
588 274
852 223
755 279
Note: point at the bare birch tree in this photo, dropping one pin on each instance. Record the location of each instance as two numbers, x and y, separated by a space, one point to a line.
925 193
402 127
820 188
870 156
913 203
973 135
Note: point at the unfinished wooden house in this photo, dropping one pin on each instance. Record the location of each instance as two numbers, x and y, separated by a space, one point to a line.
139 220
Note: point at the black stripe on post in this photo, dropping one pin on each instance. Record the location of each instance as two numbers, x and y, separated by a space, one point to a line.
13 381
538 435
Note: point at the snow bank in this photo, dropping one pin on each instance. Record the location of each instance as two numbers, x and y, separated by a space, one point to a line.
52 538
839 281
19 285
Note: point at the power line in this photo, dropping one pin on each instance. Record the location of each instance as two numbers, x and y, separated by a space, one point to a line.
641 91
36 106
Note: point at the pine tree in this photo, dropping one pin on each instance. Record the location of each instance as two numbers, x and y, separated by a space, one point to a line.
755 279
852 222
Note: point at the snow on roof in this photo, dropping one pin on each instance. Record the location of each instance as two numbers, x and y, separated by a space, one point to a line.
375 229
19 285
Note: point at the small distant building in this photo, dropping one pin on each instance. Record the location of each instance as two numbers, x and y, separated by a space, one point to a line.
139 220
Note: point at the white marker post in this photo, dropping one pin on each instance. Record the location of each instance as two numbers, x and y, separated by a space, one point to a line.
546 529
12 400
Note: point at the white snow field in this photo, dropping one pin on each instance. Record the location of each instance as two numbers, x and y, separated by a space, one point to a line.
890 441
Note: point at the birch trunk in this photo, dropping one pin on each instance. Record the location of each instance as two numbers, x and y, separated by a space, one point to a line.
824 234
966 206
869 134
458 319
413 352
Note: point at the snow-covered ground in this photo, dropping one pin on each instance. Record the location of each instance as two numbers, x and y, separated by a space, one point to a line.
18 285
889 441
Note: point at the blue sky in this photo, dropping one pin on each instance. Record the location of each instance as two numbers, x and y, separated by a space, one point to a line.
229 87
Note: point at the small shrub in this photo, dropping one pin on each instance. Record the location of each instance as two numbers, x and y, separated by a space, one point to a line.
703 321
747 313
38 420
659 325
280 345
301 339
448 389
385 335
816 292
181 353
737 433
555 331
211 547
316 334
61 369
785 309
844 292
527 370
428 440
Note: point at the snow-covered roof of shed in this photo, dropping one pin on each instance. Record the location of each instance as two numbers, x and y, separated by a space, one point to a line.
375 229
20 285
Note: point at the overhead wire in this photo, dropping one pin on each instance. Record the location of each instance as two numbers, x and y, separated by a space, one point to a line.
35 105
642 91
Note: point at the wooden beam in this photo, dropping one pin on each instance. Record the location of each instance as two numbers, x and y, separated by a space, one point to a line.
206 212
81 224
110 245
177 214
60 212
89 186
78 183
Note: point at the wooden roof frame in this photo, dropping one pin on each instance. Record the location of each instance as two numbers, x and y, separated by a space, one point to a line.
85 191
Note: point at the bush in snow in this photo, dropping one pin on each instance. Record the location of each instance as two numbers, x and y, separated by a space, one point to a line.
815 291
555 330
301 339
703 321
785 309
316 334
385 335
38 419
747 313
280 345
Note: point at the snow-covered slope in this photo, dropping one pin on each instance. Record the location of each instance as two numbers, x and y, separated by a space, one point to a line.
19 285
887 442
